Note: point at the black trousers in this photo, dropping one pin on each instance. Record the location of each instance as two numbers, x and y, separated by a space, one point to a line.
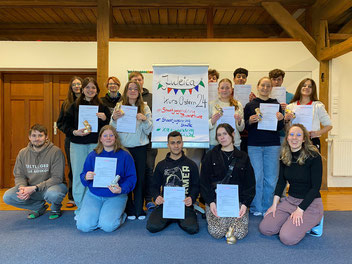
156 222
135 204
67 152
149 168
316 142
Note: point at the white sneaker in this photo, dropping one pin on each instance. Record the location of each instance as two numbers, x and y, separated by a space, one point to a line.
131 217
141 217
257 214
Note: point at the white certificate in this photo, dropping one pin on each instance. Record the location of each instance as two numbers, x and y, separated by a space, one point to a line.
105 171
174 206
279 93
212 91
127 123
304 116
228 117
227 204
242 92
269 121
89 113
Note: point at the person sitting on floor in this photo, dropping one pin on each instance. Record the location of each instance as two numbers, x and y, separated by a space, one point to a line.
39 174
302 209
225 164
103 207
175 170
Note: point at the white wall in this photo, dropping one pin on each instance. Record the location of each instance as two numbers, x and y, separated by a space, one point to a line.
340 95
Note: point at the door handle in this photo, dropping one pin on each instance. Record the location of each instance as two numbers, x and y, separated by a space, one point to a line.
55 128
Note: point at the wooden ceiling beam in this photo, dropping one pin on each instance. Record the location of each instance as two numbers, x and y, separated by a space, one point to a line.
334 8
210 22
338 36
48 3
290 25
336 50
103 37
347 28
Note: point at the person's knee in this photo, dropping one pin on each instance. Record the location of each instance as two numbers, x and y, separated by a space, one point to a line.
54 196
109 226
215 232
266 228
84 226
153 228
10 197
288 239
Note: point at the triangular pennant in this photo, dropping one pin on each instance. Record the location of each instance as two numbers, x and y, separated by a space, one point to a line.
190 91
159 86
196 88
201 83
169 90
175 90
183 91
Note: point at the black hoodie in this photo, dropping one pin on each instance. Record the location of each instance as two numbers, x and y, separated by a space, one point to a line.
182 173
261 137
110 102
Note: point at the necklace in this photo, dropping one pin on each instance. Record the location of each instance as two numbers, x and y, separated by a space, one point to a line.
228 156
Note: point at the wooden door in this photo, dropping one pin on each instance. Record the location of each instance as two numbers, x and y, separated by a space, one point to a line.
27 100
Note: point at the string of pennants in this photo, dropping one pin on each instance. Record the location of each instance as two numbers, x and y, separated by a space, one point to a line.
183 90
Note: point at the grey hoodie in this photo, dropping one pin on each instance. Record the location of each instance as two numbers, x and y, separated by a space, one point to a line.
44 168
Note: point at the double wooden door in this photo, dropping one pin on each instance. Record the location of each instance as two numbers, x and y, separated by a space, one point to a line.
29 99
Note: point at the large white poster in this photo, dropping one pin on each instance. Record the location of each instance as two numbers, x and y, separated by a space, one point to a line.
180 102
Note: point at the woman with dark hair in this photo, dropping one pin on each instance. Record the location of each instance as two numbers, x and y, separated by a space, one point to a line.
136 143
74 91
215 167
113 96
104 207
306 94
300 166
83 141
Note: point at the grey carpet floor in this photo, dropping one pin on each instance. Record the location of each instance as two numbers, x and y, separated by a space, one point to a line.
44 241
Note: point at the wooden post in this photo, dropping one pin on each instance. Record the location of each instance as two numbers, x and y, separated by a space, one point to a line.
103 36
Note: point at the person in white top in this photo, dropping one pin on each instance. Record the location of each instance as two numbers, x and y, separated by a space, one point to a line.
136 143
306 94
225 93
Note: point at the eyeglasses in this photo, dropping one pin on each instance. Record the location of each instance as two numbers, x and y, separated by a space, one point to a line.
113 84
133 89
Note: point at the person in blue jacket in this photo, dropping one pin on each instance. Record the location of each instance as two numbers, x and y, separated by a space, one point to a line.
104 207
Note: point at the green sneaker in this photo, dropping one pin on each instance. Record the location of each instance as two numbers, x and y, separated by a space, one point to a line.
36 214
54 214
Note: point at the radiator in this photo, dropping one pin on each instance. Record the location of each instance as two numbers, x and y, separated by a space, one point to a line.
342 157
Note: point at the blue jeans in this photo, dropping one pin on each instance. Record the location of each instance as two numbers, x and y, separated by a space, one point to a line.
53 195
78 155
101 212
265 162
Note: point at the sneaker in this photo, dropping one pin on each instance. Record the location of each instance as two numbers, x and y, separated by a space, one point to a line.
36 214
70 204
150 206
317 231
257 214
54 214
131 217
141 217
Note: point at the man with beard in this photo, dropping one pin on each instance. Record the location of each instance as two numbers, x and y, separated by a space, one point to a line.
175 170
39 176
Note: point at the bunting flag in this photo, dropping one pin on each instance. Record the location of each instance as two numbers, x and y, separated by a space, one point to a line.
201 83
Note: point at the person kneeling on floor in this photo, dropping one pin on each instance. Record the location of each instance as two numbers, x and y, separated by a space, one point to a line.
39 176
176 170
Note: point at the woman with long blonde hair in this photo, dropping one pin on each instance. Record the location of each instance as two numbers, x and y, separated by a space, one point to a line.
300 166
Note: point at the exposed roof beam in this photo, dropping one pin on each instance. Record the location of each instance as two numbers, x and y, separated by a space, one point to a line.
51 3
47 31
339 36
336 51
290 25
347 28
334 8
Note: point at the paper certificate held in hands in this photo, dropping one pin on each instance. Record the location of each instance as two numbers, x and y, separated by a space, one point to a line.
269 120
279 93
105 171
128 122
88 114
227 201
304 116
228 117
242 92
174 206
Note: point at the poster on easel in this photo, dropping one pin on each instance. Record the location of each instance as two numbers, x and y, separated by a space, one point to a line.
180 102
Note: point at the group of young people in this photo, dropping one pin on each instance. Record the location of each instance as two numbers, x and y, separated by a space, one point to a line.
256 160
